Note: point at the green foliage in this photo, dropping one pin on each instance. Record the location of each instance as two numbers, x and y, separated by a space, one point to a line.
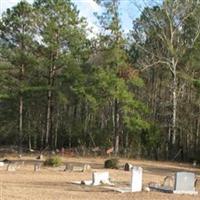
91 92
54 161
112 163
197 83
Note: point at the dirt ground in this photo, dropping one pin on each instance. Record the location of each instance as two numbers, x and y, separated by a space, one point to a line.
56 184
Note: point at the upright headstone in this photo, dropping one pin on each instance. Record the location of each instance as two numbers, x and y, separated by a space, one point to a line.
136 179
62 151
11 167
168 182
99 178
68 167
86 168
184 183
37 166
128 167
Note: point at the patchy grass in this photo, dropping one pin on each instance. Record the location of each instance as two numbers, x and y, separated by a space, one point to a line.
53 183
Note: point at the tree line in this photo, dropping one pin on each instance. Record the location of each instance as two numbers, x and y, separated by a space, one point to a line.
135 92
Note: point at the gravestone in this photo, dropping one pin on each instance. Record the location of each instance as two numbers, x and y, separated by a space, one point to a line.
86 168
185 183
99 178
136 179
77 168
68 167
18 164
37 166
11 167
2 163
128 167
40 157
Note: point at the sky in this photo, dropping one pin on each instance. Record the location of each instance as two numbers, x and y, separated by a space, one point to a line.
129 9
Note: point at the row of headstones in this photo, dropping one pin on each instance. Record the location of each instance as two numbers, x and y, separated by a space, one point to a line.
12 166
184 181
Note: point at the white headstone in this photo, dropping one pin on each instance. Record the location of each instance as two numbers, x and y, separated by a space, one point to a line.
99 178
184 183
136 179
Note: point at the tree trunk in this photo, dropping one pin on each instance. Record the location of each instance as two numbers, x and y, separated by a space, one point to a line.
21 103
174 103
49 100
116 127
48 119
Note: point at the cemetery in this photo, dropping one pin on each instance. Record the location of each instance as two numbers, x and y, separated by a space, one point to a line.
86 178
99 100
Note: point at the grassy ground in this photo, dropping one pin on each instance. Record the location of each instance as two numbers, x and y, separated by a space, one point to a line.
55 184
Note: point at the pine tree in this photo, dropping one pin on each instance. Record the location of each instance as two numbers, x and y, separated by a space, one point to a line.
17 41
62 44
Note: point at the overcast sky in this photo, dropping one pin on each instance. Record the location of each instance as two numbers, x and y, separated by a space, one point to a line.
128 10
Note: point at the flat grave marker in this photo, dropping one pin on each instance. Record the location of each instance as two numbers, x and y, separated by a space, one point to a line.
136 182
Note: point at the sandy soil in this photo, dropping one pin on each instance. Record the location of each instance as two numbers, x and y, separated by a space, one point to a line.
55 183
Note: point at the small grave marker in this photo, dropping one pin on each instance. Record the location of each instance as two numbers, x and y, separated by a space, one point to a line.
127 167
11 167
37 166
68 167
86 168
18 164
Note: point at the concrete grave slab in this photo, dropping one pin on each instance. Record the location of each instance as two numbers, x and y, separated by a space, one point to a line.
84 168
85 182
77 169
136 182
161 188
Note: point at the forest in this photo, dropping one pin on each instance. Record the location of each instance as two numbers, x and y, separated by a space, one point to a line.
136 92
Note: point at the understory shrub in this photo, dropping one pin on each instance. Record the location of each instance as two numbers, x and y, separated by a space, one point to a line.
112 163
53 161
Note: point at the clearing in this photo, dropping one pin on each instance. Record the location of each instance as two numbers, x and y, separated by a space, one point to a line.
55 183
